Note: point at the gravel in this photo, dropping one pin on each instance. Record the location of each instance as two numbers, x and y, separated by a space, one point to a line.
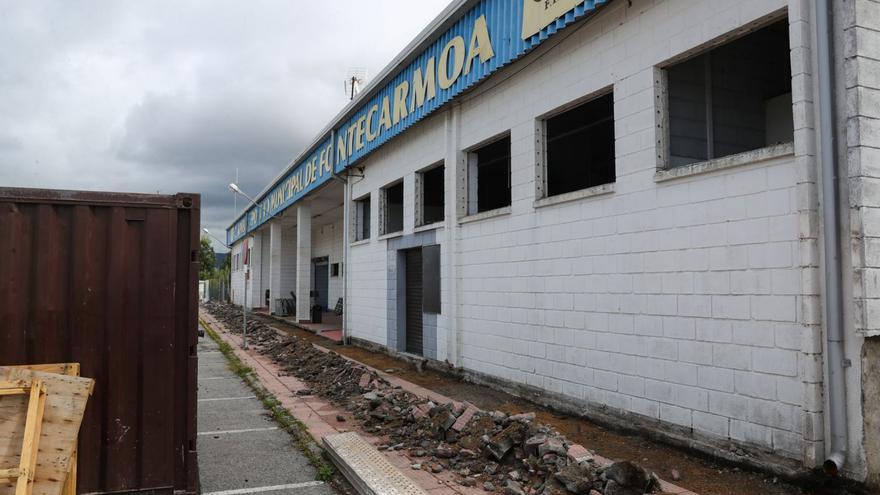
514 455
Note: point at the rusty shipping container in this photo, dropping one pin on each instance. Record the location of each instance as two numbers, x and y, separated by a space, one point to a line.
109 280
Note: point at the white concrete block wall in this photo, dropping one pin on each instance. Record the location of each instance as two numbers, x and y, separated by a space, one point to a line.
682 300
288 262
371 294
256 285
861 38
282 261
858 83
264 267
327 241
368 289
653 299
237 275
693 300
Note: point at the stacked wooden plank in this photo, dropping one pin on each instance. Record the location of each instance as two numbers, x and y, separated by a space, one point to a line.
41 409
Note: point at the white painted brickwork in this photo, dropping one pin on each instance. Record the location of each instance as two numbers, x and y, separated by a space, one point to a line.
689 301
237 276
861 41
371 293
255 296
858 84
327 241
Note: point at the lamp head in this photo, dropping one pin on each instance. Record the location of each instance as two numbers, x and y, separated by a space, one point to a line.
234 188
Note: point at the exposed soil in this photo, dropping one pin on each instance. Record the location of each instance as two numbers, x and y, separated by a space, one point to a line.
513 454
696 471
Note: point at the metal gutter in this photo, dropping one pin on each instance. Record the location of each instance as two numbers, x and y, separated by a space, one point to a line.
835 385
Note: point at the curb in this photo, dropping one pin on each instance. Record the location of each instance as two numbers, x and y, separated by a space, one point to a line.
315 412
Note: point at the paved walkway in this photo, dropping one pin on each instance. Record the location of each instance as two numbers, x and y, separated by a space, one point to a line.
319 415
240 449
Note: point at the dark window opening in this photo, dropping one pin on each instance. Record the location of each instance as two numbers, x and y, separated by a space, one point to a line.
362 219
489 176
580 147
432 195
731 99
335 270
394 208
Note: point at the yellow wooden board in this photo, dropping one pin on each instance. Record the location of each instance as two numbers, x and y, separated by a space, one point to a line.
65 405
71 369
36 393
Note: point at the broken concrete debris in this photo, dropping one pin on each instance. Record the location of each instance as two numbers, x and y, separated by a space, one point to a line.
578 454
512 454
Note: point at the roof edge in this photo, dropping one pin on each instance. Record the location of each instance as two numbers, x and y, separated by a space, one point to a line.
446 18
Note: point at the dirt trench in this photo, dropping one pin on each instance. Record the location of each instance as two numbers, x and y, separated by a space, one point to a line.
695 471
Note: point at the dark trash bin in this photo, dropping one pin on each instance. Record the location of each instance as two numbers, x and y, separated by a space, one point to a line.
316 313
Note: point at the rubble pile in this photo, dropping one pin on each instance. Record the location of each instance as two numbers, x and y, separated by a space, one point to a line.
231 316
495 451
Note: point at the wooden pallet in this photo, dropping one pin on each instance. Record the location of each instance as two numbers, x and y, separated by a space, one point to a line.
66 400
69 369
25 472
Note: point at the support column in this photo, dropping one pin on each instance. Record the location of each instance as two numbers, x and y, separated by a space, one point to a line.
346 233
255 298
303 261
455 204
275 257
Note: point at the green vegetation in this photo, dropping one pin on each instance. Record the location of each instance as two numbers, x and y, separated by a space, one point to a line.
206 259
219 283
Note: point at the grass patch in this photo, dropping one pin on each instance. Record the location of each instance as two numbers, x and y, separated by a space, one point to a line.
296 429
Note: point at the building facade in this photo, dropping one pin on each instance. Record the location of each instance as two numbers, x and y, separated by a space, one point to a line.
617 207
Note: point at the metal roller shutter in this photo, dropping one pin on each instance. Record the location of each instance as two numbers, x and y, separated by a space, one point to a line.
414 301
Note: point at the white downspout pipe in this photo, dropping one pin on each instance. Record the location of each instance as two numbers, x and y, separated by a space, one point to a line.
346 233
835 385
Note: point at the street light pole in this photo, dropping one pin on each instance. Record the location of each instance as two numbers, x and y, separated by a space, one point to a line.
237 190
222 242
244 308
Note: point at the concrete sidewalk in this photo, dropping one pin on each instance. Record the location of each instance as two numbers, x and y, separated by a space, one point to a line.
317 414
241 450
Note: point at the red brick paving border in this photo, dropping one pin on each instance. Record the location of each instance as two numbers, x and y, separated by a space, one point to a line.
319 415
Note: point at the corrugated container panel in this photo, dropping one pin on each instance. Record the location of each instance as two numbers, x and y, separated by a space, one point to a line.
110 281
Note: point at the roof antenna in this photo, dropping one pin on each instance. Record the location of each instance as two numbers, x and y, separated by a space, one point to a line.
354 81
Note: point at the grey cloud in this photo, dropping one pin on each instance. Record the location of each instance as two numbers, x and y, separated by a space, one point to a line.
167 96
217 130
8 142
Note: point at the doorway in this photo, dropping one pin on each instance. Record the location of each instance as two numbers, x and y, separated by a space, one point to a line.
321 272
413 298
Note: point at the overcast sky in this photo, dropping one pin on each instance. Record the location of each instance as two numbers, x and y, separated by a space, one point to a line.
173 96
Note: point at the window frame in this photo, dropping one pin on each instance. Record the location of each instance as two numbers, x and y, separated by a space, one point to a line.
420 194
357 219
383 209
664 169
541 174
470 176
